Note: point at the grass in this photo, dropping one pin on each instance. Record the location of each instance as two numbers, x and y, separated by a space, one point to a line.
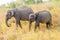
10 33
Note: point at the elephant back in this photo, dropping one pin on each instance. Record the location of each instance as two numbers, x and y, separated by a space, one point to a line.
44 16
24 12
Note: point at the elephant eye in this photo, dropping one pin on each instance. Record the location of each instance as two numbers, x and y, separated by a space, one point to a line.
32 16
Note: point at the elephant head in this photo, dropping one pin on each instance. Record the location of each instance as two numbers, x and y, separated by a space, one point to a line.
9 15
32 17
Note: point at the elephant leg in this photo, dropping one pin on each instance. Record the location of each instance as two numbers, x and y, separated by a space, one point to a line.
47 25
30 25
50 23
36 25
18 23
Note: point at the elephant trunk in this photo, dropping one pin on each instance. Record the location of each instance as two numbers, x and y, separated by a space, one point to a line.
7 22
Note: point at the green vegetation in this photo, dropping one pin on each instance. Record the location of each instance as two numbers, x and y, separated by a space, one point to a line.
17 3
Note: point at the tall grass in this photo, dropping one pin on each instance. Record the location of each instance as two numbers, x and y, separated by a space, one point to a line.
10 33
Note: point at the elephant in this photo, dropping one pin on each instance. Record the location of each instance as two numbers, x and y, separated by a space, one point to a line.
43 16
21 13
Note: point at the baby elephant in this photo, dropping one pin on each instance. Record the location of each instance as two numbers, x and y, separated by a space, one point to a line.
41 17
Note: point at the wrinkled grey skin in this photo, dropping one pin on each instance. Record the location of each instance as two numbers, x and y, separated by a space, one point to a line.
21 13
41 17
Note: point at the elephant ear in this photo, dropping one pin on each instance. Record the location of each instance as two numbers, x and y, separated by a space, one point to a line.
12 13
35 16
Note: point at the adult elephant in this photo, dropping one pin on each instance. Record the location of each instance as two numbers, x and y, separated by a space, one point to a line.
41 17
21 13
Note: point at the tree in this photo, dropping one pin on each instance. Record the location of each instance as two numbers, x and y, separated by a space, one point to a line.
22 2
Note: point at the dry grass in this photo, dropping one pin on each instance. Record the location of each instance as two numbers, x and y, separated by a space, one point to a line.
10 33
